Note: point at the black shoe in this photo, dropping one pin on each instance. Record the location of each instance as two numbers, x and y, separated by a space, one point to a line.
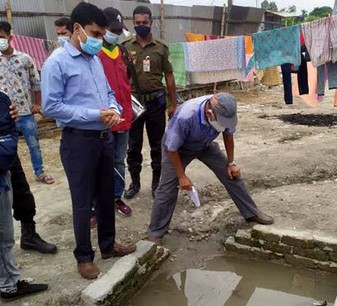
133 189
23 288
31 240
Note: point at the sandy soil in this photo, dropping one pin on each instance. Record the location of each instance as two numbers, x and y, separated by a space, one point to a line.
291 170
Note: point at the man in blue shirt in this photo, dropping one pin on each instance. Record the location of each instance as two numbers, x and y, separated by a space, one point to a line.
76 93
190 134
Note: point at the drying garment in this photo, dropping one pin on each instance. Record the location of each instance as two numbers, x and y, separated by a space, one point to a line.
208 77
32 46
212 37
311 98
317 40
178 63
249 49
325 72
192 37
277 47
333 38
215 55
286 79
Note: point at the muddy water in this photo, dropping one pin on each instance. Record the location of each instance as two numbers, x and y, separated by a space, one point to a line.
234 282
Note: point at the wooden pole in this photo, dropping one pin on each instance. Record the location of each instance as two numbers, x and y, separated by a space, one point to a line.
223 21
162 19
9 14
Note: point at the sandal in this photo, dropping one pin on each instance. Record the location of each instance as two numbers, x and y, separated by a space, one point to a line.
45 179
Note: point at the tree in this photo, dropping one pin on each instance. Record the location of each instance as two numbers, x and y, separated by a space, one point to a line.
321 12
292 9
270 6
304 13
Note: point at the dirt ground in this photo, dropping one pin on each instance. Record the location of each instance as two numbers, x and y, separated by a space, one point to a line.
290 168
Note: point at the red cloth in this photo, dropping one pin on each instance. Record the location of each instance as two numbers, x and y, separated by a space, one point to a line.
32 46
116 73
211 37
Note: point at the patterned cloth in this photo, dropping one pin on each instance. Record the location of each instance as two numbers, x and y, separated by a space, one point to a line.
215 55
317 40
33 46
208 77
178 63
333 38
277 47
19 78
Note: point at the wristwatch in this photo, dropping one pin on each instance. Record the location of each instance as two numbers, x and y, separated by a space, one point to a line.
233 163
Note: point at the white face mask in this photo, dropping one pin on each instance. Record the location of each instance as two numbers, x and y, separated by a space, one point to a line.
4 44
62 40
217 126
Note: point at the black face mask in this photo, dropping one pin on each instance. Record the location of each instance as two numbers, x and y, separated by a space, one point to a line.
142 30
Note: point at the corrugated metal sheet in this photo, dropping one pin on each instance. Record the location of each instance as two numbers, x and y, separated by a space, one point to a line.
36 17
243 20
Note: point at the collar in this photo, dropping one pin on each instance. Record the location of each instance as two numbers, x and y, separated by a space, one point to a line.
74 52
152 41
203 119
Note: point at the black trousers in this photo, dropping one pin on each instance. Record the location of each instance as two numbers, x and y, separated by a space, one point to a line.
89 166
23 200
154 121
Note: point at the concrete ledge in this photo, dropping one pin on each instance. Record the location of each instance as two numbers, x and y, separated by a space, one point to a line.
295 248
126 276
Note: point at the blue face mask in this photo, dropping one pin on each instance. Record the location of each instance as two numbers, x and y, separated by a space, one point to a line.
62 40
111 38
92 46
142 30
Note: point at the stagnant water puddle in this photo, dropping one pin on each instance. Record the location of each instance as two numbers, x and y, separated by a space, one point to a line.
235 282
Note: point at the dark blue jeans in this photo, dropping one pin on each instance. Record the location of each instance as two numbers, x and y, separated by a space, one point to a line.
89 166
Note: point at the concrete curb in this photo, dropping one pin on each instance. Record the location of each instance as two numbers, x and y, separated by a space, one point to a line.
299 249
126 276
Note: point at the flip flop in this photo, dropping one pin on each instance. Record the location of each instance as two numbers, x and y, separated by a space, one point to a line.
45 179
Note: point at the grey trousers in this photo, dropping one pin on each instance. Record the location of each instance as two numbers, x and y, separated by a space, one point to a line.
167 192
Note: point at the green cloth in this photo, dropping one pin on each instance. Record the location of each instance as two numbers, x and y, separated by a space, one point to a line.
178 62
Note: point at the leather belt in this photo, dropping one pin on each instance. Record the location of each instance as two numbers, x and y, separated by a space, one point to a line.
88 133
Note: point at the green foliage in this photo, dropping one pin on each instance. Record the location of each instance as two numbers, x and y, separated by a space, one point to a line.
321 12
270 6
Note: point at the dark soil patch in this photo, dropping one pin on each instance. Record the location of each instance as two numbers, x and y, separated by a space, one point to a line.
328 120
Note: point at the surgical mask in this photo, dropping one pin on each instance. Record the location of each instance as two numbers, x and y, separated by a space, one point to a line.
111 38
4 44
62 40
92 45
142 30
217 126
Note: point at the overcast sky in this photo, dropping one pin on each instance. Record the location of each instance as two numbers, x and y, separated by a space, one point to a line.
308 5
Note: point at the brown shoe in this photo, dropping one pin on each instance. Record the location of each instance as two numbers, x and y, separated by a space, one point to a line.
261 218
88 270
119 250
155 240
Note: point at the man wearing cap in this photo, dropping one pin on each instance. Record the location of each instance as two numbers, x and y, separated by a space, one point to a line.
115 70
190 134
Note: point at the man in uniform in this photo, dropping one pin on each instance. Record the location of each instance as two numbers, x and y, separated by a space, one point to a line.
151 59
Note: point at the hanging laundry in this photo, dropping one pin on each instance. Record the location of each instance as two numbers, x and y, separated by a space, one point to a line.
215 55
208 77
33 46
311 98
178 63
277 47
211 37
333 38
192 37
249 45
317 40
325 72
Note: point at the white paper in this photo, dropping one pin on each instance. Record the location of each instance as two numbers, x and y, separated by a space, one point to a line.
194 196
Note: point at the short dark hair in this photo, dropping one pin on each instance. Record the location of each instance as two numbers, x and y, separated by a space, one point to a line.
5 27
142 10
64 22
86 13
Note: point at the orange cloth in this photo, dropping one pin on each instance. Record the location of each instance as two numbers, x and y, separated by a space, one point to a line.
192 37
249 45
311 98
